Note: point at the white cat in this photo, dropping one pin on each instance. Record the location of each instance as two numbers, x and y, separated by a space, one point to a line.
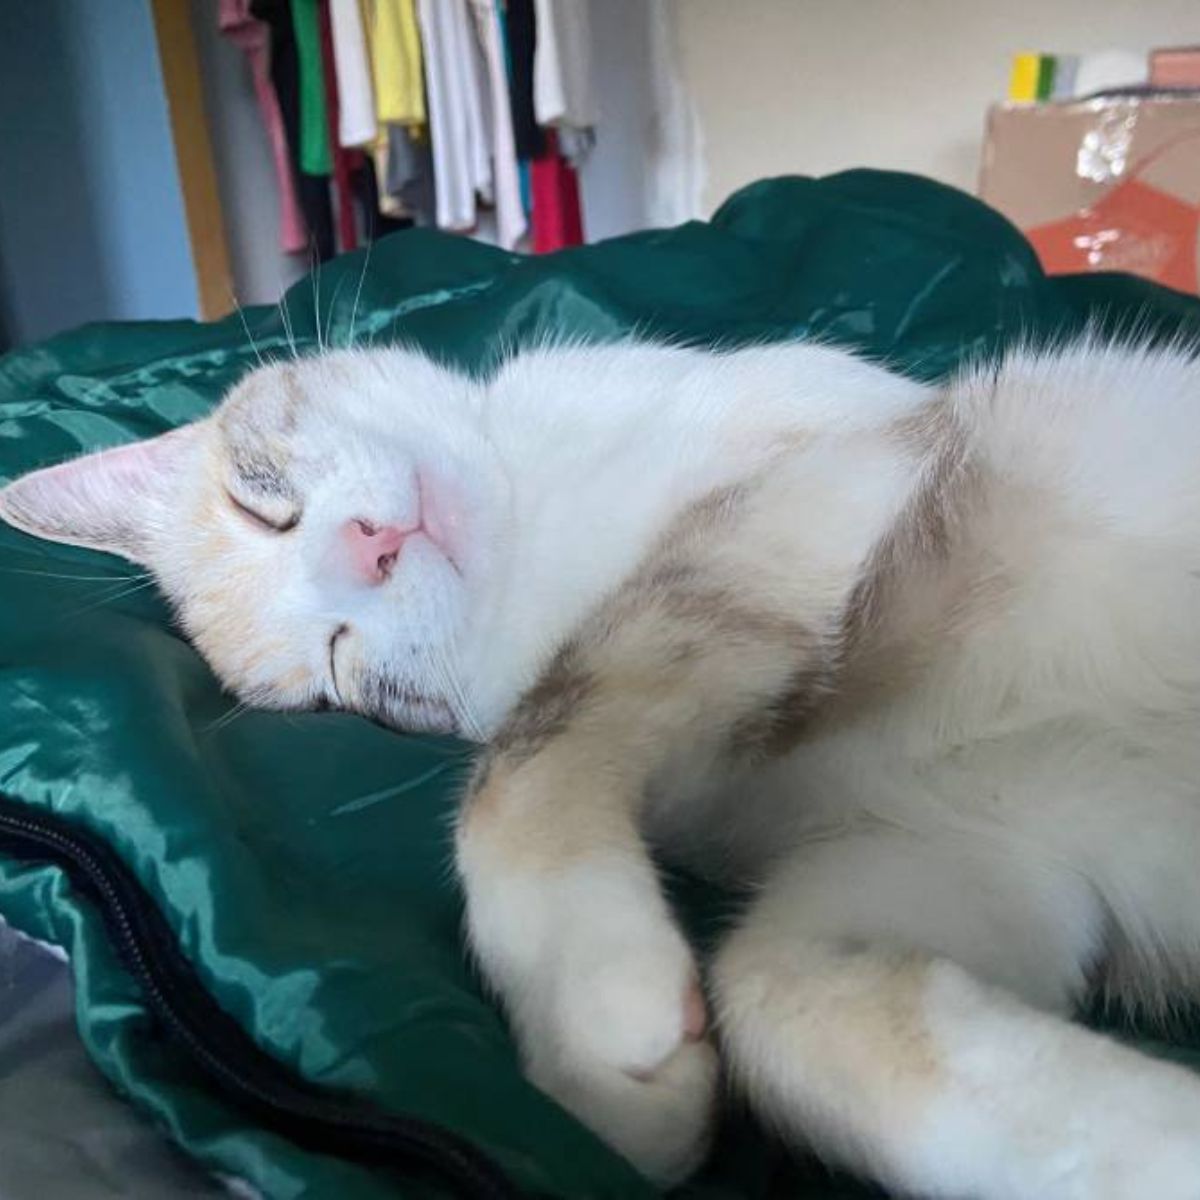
919 664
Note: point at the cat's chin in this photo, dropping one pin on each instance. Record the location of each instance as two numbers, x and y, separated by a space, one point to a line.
423 715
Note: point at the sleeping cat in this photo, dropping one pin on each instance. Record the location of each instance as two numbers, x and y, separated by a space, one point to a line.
919 666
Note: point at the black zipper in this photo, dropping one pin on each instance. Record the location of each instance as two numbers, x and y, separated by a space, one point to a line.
318 1119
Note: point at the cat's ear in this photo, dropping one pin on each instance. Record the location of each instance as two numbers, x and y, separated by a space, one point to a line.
114 500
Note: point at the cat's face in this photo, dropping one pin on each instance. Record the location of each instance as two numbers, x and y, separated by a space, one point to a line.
326 536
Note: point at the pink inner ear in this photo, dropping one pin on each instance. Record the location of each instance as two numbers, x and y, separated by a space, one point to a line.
106 501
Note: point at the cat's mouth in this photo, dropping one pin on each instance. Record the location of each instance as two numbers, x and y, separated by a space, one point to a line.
407 710
422 714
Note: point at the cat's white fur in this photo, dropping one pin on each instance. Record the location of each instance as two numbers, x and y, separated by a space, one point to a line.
998 805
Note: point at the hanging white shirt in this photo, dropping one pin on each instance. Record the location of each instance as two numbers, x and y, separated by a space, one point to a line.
458 111
510 212
563 93
356 99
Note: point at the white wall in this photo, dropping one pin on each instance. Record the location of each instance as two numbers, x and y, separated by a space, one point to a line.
813 86
611 192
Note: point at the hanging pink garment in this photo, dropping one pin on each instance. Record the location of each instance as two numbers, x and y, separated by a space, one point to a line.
252 36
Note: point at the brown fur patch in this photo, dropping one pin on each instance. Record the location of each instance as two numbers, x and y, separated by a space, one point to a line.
882 1033
926 528
780 723
851 1023
255 422
661 642
545 711
262 475
535 815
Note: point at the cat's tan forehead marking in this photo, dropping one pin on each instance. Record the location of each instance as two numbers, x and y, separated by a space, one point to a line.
265 473
265 406
292 399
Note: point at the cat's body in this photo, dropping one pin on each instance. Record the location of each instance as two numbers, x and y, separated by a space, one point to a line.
921 665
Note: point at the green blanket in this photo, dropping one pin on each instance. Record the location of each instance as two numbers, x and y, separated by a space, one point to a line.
300 862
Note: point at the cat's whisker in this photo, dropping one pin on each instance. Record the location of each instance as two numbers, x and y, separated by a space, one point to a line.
80 578
331 314
285 316
135 586
241 312
440 677
362 275
452 685
315 277
111 597
227 718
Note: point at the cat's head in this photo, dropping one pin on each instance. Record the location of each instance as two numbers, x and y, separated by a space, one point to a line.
326 536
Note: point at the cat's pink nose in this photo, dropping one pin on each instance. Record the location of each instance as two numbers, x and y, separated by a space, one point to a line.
371 549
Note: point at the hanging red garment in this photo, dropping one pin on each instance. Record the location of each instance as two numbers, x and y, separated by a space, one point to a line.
347 229
238 24
557 220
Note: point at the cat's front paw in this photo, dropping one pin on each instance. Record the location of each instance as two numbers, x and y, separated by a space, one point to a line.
661 1118
623 1047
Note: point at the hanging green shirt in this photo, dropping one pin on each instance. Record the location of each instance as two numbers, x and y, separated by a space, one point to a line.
316 154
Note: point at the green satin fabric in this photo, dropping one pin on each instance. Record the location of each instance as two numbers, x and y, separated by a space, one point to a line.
303 861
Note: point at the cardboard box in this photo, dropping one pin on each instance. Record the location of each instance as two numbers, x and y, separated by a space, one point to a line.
1178 67
1110 184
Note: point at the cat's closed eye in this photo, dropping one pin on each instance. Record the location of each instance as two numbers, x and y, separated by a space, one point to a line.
256 518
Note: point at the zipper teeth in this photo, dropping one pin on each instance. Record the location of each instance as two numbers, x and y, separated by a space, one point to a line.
469 1169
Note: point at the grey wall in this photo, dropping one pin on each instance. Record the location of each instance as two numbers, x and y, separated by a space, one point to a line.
91 217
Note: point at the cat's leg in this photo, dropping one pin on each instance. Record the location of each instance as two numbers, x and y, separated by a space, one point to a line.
710 654
568 922
564 910
900 1005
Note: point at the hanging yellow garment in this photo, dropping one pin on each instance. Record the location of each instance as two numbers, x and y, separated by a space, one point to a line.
396 61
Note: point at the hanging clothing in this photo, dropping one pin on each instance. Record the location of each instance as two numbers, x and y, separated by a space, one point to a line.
557 220
562 65
408 178
395 45
347 228
376 224
352 70
237 23
389 207
502 16
316 151
521 38
510 212
457 108
576 144
312 191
